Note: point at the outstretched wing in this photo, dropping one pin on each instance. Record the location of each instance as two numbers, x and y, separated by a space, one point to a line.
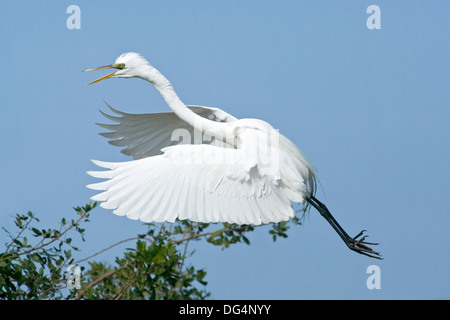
144 135
202 183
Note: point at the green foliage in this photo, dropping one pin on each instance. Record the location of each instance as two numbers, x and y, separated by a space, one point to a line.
280 229
152 270
31 267
230 234
34 262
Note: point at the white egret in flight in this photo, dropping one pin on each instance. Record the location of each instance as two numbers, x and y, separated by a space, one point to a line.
241 171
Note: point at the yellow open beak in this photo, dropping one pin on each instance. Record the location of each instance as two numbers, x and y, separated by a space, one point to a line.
112 66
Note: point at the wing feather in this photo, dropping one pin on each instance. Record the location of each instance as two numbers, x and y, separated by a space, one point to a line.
144 135
173 185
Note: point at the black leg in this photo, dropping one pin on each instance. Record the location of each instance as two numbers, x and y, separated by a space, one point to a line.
355 244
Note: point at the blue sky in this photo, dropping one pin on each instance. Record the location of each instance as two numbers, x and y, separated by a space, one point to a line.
369 108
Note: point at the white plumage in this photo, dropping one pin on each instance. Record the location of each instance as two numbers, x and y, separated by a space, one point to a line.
202 164
247 174
146 134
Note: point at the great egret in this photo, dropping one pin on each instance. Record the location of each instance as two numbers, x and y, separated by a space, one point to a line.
240 171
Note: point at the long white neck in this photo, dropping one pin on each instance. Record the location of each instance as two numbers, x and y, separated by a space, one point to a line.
166 90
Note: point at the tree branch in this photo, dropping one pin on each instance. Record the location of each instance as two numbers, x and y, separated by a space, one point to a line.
20 233
195 236
37 247
110 247
98 280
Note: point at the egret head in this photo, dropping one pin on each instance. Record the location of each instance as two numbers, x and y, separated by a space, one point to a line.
128 65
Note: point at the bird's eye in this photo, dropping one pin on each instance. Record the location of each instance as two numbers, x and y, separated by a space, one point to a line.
121 66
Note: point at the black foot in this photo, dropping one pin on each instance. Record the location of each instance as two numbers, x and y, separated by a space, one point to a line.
356 244
361 246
